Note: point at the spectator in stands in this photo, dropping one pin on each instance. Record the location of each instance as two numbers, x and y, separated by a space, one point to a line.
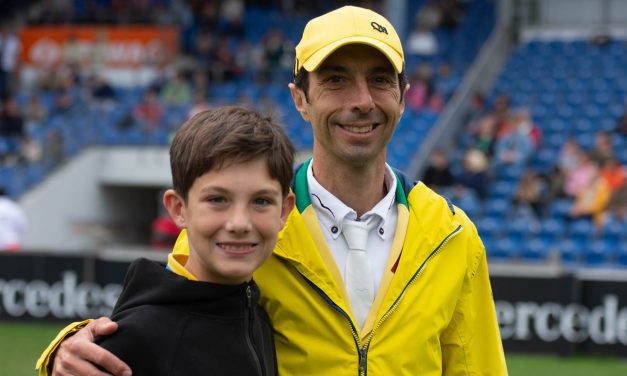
514 146
422 41
613 173
149 111
603 148
10 49
177 91
523 115
530 195
451 14
617 207
223 67
163 229
102 92
275 60
621 125
446 80
422 94
65 96
592 199
474 176
501 112
35 114
582 176
53 150
485 136
569 155
438 175
13 223
555 180
231 18
71 54
12 131
477 110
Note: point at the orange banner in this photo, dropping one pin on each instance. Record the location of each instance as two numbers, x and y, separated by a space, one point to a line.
111 46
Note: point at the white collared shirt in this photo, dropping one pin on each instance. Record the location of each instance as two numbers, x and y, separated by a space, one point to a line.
331 211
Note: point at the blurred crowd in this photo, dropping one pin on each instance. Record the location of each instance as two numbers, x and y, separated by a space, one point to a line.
503 140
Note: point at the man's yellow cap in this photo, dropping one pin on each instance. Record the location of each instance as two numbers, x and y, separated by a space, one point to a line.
347 25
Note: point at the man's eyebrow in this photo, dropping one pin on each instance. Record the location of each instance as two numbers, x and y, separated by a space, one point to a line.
326 69
382 69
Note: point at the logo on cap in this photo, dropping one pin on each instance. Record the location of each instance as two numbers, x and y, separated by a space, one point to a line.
378 27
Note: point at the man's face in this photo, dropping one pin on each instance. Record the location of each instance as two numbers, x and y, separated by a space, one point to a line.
354 105
232 216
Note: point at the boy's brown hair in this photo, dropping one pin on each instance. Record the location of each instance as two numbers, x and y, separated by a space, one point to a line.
215 138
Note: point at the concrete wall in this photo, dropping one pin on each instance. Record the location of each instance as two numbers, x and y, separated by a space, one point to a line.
102 196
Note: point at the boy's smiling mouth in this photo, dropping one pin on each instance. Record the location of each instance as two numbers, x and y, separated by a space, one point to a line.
237 247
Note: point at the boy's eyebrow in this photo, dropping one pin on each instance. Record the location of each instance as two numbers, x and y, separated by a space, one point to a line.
218 189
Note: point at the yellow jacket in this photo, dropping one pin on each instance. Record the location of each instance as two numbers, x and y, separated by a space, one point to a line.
433 315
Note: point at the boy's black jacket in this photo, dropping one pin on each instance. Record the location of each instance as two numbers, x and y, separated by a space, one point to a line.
169 325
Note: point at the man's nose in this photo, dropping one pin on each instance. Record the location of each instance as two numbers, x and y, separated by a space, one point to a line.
362 96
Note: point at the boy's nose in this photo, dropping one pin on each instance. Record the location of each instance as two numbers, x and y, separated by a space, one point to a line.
239 221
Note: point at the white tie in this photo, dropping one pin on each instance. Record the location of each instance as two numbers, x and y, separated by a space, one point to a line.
359 277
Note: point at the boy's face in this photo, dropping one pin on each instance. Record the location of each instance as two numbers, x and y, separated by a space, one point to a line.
232 216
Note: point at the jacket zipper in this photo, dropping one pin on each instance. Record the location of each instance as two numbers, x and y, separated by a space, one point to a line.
409 283
363 350
248 324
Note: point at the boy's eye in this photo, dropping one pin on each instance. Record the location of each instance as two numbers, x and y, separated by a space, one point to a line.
216 199
262 201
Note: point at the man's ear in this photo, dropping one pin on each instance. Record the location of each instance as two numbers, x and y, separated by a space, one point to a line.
300 101
288 205
175 205
403 101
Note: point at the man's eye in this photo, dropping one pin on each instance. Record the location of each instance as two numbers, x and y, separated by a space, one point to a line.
335 79
382 80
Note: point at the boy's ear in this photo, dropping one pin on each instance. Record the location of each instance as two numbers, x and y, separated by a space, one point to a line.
300 101
288 205
175 206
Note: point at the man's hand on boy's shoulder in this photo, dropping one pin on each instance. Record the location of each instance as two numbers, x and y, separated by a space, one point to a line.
77 354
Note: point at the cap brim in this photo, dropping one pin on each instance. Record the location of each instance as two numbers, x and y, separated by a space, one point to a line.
319 56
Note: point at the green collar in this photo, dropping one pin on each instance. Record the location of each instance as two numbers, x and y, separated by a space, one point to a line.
301 188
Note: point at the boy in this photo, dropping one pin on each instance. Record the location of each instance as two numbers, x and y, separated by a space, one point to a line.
231 170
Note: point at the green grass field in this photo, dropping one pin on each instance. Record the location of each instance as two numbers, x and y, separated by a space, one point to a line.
21 344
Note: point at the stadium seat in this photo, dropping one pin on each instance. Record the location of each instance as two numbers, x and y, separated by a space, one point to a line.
536 250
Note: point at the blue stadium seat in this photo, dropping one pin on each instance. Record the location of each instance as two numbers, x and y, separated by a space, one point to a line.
488 226
581 230
505 249
536 250
560 208
570 251
599 252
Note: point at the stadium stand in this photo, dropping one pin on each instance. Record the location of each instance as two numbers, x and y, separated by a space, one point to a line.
571 89
574 90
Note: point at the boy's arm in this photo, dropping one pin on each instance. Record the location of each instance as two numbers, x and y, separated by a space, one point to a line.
77 354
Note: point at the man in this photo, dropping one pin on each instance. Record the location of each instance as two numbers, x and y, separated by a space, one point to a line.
427 308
